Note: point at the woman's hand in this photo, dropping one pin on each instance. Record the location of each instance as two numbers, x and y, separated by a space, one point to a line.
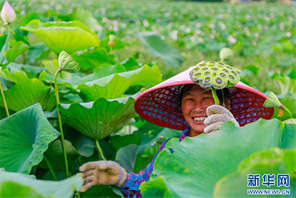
102 173
217 115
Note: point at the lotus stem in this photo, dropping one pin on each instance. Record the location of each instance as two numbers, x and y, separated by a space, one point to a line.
289 112
60 120
50 168
77 195
5 46
4 101
217 102
100 150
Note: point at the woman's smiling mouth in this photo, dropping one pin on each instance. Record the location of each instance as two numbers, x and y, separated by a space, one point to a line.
199 118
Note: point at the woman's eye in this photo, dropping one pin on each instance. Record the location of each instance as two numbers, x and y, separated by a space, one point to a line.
189 99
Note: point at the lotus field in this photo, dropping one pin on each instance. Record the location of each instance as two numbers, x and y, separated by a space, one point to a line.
70 72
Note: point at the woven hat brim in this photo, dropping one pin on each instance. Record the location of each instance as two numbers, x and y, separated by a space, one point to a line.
159 104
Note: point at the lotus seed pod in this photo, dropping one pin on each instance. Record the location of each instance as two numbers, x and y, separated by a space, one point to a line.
214 75
67 63
272 101
225 54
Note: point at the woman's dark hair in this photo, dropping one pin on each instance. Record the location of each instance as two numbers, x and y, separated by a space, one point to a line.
222 94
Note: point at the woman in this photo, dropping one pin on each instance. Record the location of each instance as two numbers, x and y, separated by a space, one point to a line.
178 103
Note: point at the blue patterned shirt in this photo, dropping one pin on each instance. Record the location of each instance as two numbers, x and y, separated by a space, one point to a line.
130 188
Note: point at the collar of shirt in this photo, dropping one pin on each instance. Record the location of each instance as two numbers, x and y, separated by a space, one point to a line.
184 134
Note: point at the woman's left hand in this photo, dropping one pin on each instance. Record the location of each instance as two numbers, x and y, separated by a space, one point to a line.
217 115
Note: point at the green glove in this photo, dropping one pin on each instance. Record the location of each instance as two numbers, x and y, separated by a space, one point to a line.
102 173
217 115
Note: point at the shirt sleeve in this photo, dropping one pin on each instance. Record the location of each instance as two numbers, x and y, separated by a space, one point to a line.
130 188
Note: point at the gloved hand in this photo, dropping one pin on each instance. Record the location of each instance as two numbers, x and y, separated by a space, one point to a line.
102 173
217 115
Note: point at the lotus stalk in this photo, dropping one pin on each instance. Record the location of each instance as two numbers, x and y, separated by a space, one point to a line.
273 101
214 75
100 150
4 101
50 168
8 15
68 64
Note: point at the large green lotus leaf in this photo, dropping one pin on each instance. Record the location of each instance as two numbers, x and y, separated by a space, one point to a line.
113 86
274 161
100 191
159 48
30 70
37 51
75 80
55 189
126 157
26 92
25 136
85 17
12 189
99 118
63 36
5 47
90 59
6 84
3 113
287 84
16 49
192 167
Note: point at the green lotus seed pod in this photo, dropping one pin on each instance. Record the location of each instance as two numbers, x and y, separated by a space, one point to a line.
67 63
214 75
225 54
272 101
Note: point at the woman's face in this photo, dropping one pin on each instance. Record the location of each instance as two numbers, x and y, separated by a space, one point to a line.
194 105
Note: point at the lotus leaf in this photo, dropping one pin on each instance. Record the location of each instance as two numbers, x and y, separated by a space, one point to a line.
29 69
99 118
126 157
75 79
85 17
37 51
5 47
12 189
274 161
26 92
3 113
55 189
63 36
89 59
6 84
113 86
159 48
17 48
211 157
25 136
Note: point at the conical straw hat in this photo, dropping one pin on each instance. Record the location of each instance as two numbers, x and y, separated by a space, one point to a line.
159 104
